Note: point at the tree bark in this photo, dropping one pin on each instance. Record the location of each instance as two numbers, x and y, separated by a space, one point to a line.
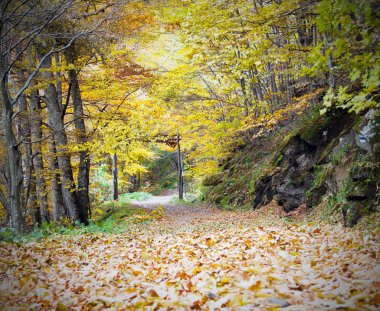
23 135
180 173
15 179
115 177
33 206
60 137
84 157
272 78
14 168
59 79
59 209
330 62
29 199
36 135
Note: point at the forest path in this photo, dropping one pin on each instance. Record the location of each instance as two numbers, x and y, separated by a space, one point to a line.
157 200
181 215
196 258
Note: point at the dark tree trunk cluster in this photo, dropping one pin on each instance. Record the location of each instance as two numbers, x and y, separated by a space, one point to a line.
38 164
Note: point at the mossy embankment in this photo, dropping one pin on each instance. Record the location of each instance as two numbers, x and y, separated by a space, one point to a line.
314 161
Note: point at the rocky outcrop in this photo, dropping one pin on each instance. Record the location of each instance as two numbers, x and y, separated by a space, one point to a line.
295 173
334 157
362 195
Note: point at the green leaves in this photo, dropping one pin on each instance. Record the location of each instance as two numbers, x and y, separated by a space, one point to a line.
351 29
359 101
328 98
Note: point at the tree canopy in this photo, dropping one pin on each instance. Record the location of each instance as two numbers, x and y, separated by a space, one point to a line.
86 81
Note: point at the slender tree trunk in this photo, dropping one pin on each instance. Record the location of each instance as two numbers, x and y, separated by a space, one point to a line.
273 85
15 179
330 62
84 157
59 209
33 206
64 162
138 183
36 135
23 135
180 173
115 177
246 99
58 78
28 197
259 92
14 168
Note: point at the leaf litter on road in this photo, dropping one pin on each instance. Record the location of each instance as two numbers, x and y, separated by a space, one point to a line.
213 266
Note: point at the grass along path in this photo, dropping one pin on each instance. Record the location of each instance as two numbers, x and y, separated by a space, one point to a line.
196 258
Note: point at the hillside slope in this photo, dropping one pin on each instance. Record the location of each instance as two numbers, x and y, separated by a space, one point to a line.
331 158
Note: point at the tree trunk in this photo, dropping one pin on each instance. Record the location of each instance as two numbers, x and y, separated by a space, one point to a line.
59 209
56 122
36 135
245 96
330 62
24 122
180 173
272 78
28 195
115 177
17 220
58 78
14 181
33 206
84 157
138 182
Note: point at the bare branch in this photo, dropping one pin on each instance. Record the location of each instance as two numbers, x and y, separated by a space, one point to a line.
52 51
38 20
33 34
14 25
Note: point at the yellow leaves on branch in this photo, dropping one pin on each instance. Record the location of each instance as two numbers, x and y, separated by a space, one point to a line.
268 121
135 18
